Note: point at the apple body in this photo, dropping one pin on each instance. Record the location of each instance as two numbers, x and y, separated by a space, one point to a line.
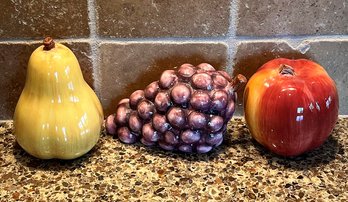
291 106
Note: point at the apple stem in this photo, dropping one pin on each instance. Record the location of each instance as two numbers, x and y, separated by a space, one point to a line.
238 82
48 43
286 70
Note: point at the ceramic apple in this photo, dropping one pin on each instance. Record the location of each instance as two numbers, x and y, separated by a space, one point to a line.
291 106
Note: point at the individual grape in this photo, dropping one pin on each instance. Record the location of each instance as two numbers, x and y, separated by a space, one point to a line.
162 101
123 101
226 75
149 133
176 117
190 136
202 81
166 146
219 143
200 101
229 110
219 81
171 138
122 114
160 124
203 148
126 136
197 120
214 138
205 67
186 71
151 90
168 79
110 124
135 98
185 148
219 101
180 94
135 123
147 143
215 123
145 109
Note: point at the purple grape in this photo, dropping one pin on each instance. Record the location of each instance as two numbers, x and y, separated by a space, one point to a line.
176 117
162 101
202 81
135 123
200 101
219 100
147 143
203 148
171 138
151 90
180 94
219 81
110 124
149 133
219 143
197 120
186 71
123 101
229 110
166 146
122 114
226 75
145 109
126 136
159 122
214 138
168 79
205 67
135 98
185 148
189 136
215 123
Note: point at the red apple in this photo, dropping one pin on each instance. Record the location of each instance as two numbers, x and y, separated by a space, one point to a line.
291 106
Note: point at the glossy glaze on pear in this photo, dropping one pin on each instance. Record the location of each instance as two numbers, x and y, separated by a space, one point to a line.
58 115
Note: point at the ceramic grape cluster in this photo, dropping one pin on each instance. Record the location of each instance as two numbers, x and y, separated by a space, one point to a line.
185 110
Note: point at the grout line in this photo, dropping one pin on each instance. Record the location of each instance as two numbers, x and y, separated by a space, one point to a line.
94 36
232 30
94 43
35 41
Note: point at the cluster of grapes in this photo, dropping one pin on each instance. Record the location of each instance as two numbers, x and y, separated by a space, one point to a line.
186 110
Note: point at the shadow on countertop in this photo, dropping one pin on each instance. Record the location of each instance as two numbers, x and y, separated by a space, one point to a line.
315 158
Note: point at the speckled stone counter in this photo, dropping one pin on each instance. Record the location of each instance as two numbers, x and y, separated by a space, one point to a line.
239 170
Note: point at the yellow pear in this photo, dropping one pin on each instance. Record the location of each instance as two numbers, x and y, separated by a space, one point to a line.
58 115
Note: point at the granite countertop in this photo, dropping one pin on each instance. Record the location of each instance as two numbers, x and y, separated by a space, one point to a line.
238 170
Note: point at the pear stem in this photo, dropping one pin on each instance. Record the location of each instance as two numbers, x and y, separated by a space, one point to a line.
48 43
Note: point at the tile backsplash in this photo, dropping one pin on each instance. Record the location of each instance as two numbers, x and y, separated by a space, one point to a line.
124 45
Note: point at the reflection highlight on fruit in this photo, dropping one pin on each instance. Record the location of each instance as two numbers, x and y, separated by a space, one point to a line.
291 106
57 115
186 110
